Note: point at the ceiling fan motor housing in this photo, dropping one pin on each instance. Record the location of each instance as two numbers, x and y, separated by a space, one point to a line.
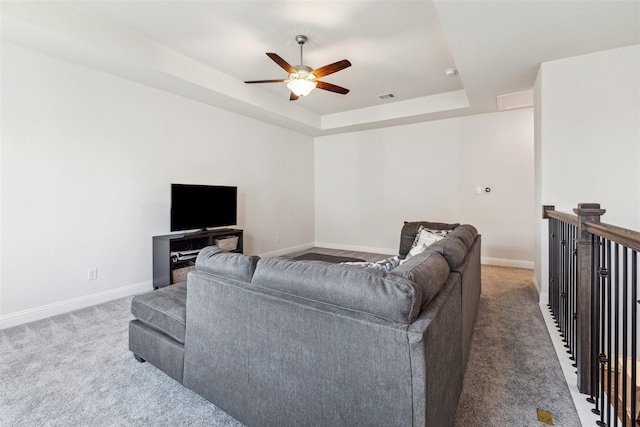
302 72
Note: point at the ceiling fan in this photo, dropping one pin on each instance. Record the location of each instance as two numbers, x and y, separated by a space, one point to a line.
303 79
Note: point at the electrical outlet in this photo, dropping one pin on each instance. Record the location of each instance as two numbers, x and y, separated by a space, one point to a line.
277 239
92 274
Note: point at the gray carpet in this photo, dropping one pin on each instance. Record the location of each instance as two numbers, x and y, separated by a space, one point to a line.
513 369
75 370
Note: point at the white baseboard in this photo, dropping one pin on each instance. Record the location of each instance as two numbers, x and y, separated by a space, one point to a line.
501 262
284 251
37 313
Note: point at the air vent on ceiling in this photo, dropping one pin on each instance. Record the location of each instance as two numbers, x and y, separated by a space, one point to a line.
386 96
511 101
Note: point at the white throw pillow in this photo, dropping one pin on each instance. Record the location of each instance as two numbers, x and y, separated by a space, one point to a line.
425 236
418 249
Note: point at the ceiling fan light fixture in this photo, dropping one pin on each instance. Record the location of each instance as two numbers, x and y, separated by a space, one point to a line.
301 84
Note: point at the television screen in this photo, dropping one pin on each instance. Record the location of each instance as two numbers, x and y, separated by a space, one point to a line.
202 206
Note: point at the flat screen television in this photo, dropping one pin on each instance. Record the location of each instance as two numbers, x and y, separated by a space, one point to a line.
202 206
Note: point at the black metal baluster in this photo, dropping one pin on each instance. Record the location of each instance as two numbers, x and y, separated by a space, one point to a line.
570 288
634 330
602 358
561 281
625 331
608 331
613 395
595 319
574 300
553 253
557 270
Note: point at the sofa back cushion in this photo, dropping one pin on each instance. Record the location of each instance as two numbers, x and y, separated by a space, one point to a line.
452 249
428 269
410 229
467 233
365 290
217 262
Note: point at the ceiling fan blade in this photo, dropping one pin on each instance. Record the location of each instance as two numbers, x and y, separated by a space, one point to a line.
281 62
332 88
266 81
331 68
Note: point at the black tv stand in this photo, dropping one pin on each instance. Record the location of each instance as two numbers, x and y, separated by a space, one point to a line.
206 230
165 268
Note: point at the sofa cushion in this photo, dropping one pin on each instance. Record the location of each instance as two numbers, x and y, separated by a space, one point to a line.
410 229
163 309
428 269
366 290
214 260
452 249
471 228
467 233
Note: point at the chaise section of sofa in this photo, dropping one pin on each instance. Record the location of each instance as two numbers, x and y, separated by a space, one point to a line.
158 332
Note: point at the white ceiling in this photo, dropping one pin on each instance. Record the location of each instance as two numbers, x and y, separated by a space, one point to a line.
206 49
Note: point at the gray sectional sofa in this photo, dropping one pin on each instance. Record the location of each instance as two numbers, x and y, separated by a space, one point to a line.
279 342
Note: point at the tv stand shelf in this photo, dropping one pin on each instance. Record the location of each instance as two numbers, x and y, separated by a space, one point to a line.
164 246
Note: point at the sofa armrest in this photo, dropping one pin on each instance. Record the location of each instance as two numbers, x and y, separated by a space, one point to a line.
435 340
470 273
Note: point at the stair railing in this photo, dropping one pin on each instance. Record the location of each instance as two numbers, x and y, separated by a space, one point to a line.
593 298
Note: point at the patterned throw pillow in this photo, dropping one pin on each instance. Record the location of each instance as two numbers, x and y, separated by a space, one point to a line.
428 237
425 238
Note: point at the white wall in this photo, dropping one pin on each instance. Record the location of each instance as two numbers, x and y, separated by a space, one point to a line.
368 183
588 139
87 159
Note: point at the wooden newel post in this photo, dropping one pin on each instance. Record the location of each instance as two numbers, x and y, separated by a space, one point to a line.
586 212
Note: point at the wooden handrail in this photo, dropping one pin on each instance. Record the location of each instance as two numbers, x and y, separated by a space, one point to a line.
550 212
623 236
